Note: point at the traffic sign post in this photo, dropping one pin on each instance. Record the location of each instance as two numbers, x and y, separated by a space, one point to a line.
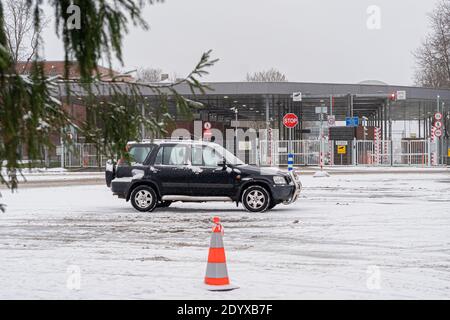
207 134
438 116
290 162
290 120
297 97
436 134
342 149
401 95
207 125
331 120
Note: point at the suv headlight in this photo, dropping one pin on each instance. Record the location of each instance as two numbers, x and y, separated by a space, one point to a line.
279 180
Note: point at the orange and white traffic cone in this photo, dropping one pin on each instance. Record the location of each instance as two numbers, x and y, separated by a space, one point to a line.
216 278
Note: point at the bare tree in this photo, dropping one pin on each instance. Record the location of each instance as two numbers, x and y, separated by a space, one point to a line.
433 57
149 75
20 31
271 75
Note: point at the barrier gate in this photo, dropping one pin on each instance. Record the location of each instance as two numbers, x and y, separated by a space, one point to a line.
306 152
352 152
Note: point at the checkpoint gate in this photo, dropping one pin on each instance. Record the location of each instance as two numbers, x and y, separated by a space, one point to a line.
305 152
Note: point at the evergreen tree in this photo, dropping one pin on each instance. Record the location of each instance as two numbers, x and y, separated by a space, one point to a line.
31 105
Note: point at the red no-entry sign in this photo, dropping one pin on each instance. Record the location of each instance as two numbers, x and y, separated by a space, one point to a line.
290 120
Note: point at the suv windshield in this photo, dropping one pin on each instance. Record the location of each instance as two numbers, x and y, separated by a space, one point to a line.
229 157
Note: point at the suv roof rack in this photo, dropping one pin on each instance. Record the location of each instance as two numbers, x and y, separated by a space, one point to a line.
167 140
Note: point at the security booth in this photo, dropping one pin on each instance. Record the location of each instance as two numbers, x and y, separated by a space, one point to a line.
342 138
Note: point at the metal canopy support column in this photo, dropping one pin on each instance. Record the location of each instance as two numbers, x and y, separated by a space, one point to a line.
391 151
383 121
349 105
418 120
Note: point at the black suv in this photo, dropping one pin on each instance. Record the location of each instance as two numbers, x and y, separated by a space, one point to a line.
160 172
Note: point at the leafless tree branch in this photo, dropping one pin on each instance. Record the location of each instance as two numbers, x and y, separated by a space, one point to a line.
433 57
21 33
271 75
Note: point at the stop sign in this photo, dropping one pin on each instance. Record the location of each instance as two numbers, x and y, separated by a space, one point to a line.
290 120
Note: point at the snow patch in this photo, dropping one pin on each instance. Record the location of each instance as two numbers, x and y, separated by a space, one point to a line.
321 174
194 169
153 169
123 179
27 116
270 171
137 174
43 125
109 166
137 164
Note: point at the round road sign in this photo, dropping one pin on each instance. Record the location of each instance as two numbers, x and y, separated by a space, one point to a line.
438 116
438 124
290 120
331 121
438 133
207 125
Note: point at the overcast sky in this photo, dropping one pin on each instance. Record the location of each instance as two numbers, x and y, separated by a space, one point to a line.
308 40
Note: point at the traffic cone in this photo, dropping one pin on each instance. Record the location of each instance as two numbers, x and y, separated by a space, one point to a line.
216 278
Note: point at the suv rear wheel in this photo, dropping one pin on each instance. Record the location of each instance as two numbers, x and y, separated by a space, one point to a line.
143 198
256 199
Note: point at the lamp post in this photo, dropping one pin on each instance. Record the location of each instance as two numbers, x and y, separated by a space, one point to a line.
235 109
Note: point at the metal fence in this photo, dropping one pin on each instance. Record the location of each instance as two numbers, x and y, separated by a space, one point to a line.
351 152
83 155
305 153
78 155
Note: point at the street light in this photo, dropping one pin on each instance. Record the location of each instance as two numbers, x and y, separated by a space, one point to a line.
235 109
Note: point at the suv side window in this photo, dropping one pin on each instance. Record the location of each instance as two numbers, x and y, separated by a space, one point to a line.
138 154
197 157
175 155
205 156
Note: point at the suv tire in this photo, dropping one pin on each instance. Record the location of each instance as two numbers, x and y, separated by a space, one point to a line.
256 199
144 199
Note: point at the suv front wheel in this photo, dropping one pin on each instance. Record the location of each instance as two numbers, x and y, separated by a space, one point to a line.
144 199
256 199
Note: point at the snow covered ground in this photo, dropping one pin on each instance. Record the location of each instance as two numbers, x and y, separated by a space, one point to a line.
58 174
351 236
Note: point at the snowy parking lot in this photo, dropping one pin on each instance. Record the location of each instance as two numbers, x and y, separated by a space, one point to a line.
357 236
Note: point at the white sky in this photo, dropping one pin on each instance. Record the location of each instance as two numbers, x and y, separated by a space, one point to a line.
308 40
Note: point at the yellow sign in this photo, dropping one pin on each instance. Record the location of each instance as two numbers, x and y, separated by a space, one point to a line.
342 149
448 152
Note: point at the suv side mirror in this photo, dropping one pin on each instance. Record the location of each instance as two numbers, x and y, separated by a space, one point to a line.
222 163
